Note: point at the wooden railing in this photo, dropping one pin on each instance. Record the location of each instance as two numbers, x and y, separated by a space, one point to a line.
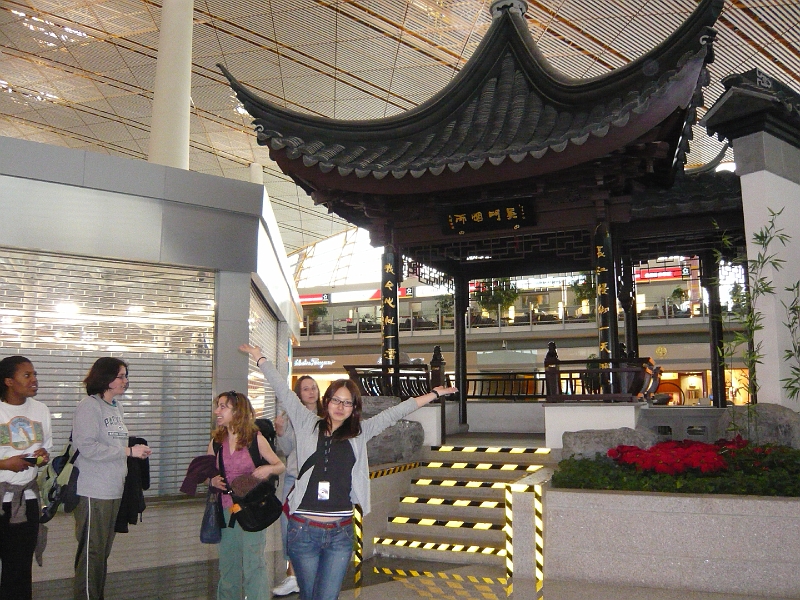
514 387
623 380
377 380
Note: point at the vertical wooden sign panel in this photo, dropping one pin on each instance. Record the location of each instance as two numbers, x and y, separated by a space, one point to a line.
605 302
389 283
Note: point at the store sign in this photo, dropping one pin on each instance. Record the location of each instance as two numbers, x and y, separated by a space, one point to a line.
489 216
313 362
659 274
315 299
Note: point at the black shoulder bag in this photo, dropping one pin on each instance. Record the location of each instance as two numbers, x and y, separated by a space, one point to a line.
258 507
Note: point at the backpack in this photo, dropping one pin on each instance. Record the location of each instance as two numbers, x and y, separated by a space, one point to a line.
58 483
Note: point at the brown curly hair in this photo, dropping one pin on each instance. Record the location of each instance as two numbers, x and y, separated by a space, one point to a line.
243 423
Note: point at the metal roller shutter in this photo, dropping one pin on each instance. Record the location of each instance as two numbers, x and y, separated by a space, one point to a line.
263 333
64 312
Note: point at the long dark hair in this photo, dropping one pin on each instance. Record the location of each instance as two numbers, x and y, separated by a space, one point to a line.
352 424
299 382
8 368
103 372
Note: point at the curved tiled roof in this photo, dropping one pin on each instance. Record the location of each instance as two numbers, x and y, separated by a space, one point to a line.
507 105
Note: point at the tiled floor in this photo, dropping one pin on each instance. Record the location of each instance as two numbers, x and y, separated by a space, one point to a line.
197 581
382 578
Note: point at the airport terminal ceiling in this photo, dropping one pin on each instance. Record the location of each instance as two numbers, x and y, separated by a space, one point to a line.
80 73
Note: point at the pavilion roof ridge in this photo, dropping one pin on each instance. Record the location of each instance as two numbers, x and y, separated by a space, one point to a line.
506 105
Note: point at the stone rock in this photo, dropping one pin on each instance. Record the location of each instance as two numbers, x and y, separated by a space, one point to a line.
372 405
587 443
399 443
402 442
763 423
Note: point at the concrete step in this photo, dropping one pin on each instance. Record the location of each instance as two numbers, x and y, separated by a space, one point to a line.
475 471
440 549
465 532
490 454
460 510
453 489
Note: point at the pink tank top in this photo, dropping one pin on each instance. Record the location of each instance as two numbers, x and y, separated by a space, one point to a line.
238 463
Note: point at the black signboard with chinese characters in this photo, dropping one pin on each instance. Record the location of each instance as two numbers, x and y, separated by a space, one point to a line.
389 281
605 302
488 216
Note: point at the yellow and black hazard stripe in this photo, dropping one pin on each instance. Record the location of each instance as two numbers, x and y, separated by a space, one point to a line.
457 483
483 526
439 575
450 502
358 552
509 531
469 549
481 466
393 470
490 449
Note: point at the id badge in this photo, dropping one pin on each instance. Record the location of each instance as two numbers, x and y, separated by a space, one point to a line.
324 490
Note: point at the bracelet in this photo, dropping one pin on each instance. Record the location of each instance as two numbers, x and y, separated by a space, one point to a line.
260 359
436 394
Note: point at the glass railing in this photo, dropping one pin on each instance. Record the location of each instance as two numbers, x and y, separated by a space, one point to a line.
477 321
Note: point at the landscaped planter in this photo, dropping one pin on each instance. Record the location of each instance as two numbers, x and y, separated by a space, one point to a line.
712 543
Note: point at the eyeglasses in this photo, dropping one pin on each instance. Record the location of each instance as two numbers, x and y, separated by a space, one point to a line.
342 402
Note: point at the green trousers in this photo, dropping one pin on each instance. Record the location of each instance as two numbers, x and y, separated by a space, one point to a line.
94 530
243 564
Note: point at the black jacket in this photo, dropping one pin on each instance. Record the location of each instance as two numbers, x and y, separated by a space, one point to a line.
137 480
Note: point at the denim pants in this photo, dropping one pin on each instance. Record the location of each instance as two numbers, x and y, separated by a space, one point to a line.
320 557
242 564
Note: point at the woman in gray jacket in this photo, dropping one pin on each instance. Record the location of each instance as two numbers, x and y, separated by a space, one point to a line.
100 435
320 536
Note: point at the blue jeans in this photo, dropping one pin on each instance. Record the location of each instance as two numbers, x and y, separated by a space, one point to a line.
320 558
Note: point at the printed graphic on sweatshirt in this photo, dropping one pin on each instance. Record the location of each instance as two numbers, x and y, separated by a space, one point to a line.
111 422
21 433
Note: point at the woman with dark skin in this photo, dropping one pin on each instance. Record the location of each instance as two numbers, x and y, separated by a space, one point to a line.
27 422
320 535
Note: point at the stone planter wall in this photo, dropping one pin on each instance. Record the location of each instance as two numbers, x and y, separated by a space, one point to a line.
711 543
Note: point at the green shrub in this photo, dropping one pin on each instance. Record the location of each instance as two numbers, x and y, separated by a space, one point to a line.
765 470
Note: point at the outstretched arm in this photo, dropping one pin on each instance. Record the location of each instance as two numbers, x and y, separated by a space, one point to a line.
287 399
373 426
434 394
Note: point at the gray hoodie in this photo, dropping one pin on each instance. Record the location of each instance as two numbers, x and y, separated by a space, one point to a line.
99 432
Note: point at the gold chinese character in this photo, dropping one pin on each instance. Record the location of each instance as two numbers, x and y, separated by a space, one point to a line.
494 213
603 346
461 218
602 309
599 270
477 217
602 289
389 302
390 353
389 285
600 253
511 213
388 320
388 268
